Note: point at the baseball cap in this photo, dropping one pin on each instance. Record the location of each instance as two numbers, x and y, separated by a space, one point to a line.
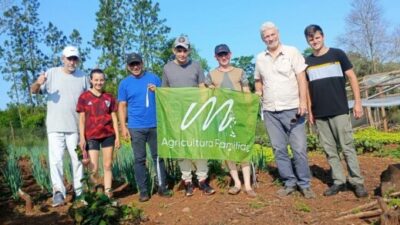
221 48
182 41
70 51
133 57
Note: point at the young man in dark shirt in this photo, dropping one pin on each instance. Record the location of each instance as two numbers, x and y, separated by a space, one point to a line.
328 109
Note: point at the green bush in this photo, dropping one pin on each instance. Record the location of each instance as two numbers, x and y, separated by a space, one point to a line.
370 139
262 156
97 208
313 143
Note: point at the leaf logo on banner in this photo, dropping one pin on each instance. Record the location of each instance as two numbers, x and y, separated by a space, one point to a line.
211 114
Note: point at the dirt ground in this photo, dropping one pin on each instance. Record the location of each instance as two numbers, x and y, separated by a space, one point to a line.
223 208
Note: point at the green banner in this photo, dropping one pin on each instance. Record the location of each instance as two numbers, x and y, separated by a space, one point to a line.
202 123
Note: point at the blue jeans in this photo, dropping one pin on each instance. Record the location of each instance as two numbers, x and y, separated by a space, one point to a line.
285 128
139 138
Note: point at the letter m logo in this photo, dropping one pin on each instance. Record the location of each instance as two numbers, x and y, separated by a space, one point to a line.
211 114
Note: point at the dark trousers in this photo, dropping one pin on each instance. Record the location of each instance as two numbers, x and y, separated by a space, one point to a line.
139 138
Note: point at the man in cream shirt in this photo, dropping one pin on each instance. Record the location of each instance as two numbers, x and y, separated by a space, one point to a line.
280 80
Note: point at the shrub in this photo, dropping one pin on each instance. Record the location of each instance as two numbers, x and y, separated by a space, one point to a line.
313 143
370 139
97 208
262 157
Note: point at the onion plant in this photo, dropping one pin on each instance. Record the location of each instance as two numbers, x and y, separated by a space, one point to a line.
40 169
12 174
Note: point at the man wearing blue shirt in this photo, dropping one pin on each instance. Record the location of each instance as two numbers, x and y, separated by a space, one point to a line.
137 104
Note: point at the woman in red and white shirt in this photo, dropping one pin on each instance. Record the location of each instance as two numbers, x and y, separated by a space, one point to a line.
98 126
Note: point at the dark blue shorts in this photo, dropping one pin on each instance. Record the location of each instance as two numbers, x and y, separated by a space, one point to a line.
94 144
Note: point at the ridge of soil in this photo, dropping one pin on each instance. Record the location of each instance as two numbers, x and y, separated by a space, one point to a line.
222 208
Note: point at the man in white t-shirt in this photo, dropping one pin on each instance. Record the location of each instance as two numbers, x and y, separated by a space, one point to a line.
63 85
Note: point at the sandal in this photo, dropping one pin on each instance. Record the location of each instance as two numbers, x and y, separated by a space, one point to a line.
251 193
234 190
109 193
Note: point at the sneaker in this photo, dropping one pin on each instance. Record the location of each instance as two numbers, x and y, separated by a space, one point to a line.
109 193
188 189
334 189
144 197
360 191
58 199
307 193
164 192
207 189
285 191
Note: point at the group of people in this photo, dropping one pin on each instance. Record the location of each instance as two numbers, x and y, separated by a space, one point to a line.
291 88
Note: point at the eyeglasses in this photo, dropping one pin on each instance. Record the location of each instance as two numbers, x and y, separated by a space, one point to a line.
72 58
222 54
294 120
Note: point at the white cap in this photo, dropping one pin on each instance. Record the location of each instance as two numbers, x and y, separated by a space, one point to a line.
70 51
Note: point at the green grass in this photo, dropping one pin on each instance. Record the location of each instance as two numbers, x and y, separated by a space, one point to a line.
302 207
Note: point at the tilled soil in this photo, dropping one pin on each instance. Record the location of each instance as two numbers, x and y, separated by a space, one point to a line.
222 208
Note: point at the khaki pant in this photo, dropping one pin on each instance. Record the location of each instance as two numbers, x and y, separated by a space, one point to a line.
337 131
186 166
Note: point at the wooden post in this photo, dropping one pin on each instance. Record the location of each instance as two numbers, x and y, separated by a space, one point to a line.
383 111
370 119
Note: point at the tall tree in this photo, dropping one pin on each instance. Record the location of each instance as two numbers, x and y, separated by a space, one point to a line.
22 58
149 32
366 32
396 42
55 40
111 37
4 5
245 62
76 40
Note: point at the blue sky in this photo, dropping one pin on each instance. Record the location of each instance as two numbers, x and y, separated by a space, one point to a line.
211 22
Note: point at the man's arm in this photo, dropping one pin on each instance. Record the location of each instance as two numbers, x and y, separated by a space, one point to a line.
122 119
35 87
311 119
259 87
357 109
302 83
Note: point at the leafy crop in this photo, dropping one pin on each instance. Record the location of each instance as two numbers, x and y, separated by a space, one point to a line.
12 174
